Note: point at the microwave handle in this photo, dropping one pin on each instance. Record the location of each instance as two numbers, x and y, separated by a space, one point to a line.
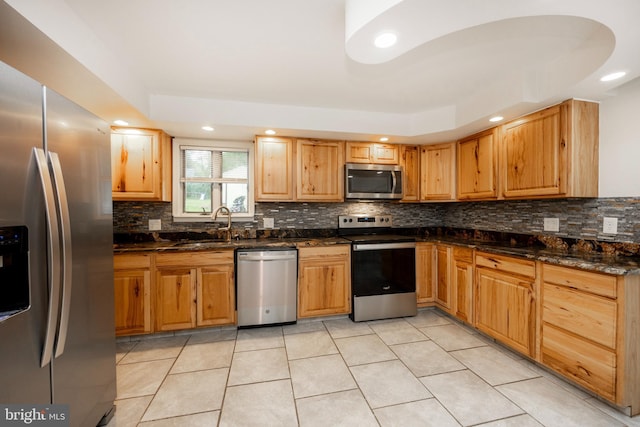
394 182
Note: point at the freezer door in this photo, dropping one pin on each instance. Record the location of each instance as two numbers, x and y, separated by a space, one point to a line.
84 366
22 336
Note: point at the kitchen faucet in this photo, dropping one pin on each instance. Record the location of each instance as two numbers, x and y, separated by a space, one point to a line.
228 227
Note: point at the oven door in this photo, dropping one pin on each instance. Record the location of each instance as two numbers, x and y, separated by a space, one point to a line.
383 268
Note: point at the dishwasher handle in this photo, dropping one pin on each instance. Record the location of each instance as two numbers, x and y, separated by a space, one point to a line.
266 256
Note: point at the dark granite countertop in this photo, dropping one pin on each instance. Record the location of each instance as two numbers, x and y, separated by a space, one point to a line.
209 245
565 252
593 261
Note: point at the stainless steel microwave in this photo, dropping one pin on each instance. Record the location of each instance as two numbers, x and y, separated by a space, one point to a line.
373 182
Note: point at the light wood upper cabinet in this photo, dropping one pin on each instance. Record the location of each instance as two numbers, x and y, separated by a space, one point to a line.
132 292
324 281
140 164
372 152
320 170
410 162
505 300
274 169
477 160
437 172
425 272
552 153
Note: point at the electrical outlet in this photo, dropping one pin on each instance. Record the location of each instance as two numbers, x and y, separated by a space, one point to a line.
155 224
268 222
610 225
551 224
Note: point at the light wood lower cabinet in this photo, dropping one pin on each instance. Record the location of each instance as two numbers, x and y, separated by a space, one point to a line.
505 300
194 289
324 281
132 293
590 331
425 273
443 285
463 283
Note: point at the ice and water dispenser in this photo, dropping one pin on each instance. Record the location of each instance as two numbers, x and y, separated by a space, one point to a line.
14 271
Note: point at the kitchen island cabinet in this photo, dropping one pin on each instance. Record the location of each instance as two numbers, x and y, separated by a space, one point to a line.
132 292
140 164
324 280
505 303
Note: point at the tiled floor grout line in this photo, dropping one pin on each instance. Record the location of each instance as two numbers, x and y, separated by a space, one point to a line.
540 372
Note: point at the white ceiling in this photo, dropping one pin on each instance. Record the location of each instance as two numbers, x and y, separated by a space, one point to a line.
307 68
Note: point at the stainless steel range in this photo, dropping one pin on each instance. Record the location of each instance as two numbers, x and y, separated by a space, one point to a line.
383 268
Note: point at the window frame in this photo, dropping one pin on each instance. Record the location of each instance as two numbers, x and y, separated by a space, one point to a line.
177 201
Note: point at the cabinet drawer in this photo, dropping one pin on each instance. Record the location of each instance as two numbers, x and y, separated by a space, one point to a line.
518 266
592 366
586 315
194 259
324 251
131 262
599 284
462 254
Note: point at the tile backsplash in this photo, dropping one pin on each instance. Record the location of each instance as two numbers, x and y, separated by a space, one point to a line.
578 218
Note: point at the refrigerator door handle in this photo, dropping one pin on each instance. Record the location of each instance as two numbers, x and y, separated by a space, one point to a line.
53 254
66 254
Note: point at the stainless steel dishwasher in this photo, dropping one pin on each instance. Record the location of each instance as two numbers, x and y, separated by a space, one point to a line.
266 286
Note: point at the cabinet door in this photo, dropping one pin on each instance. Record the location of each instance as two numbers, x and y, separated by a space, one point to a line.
443 277
410 161
320 170
505 309
274 173
216 295
463 283
386 154
175 299
425 272
437 172
359 152
477 160
324 281
535 158
132 290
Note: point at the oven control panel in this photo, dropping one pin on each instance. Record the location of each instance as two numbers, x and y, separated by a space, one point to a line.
364 221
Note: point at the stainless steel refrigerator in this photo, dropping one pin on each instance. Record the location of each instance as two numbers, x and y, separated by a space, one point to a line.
57 335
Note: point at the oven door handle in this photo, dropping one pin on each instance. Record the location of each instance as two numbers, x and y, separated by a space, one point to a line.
380 246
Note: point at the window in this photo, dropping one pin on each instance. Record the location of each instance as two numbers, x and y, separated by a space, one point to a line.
210 174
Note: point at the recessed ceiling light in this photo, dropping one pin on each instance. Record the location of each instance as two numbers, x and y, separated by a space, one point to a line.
270 132
384 139
613 76
208 128
496 119
120 122
385 40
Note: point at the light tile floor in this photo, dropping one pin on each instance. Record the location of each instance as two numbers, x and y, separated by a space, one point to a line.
426 370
